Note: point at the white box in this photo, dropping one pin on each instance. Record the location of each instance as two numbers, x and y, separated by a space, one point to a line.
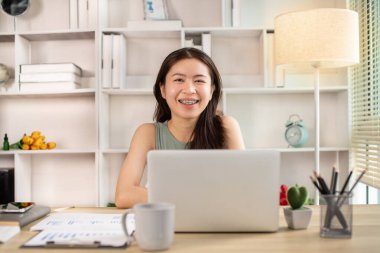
48 86
50 68
155 24
49 77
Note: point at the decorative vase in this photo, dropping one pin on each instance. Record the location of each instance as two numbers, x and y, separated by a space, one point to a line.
298 218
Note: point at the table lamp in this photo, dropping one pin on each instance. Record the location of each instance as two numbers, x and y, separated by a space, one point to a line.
317 38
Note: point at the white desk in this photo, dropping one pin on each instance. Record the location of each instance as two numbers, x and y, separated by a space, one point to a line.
365 239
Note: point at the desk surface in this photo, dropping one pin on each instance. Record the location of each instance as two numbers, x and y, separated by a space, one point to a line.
366 237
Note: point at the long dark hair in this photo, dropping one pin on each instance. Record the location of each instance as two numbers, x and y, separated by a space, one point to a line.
208 132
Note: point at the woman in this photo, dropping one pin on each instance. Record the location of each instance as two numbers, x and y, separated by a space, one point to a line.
187 90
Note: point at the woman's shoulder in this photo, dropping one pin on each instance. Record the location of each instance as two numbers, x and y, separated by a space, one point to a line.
144 136
146 131
234 139
146 128
229 122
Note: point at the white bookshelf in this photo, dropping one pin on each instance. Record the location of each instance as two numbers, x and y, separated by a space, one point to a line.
93 126
67 175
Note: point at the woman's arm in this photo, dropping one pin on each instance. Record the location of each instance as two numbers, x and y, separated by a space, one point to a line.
234 139
128 189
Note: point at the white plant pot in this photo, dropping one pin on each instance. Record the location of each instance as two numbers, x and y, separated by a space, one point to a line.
298 218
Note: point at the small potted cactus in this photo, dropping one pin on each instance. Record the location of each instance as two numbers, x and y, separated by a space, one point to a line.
297 216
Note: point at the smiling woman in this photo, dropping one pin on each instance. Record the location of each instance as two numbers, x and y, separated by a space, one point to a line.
187 90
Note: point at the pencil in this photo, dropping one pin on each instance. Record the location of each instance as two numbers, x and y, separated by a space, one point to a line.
346 183
335 181
322 183
316 184
332 180
340 201
357 181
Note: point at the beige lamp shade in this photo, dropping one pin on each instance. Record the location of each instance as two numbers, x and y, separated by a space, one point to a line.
323 38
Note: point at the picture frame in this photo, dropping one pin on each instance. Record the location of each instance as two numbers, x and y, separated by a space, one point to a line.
155 10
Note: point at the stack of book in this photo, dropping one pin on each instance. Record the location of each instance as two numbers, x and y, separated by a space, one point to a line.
50 77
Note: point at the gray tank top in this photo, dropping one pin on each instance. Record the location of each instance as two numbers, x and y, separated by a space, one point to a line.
165 140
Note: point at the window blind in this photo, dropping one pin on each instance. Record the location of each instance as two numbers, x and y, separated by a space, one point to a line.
365 94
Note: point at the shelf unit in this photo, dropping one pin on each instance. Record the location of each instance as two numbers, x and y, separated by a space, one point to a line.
93 126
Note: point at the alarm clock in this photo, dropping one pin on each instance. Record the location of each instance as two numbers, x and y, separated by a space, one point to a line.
296 135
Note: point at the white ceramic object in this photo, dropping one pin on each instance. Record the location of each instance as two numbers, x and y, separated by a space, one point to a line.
154 225
298 218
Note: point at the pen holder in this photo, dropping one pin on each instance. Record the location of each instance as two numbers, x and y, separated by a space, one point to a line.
336 216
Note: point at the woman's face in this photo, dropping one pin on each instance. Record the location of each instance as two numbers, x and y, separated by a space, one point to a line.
188 88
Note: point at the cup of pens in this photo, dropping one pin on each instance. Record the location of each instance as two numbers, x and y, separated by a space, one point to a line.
336 215
336 206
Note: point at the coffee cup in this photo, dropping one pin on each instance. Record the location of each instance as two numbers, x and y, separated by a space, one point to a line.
154 225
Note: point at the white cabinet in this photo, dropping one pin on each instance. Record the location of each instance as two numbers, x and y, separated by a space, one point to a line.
93 126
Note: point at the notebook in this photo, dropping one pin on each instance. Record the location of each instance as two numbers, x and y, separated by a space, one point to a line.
217 190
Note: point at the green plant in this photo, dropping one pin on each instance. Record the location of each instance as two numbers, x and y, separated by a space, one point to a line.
297 196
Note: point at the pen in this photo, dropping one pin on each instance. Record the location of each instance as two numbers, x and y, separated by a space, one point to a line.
352 188
357 181
316 184
335 181
346 183
332 180
322 183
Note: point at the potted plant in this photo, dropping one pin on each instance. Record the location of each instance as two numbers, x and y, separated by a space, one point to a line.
297 216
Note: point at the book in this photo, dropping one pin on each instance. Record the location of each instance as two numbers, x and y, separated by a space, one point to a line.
235 13
50 68
119 60
83 14
271 67
48 86
107 61
155 24
92 14
86 14
22 219
49 77
73 14
206 43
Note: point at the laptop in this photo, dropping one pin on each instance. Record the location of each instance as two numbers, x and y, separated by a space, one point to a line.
217 190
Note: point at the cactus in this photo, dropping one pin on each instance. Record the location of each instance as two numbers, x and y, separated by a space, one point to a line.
297 196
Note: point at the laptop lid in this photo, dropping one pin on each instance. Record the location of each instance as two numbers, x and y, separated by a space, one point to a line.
217 190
